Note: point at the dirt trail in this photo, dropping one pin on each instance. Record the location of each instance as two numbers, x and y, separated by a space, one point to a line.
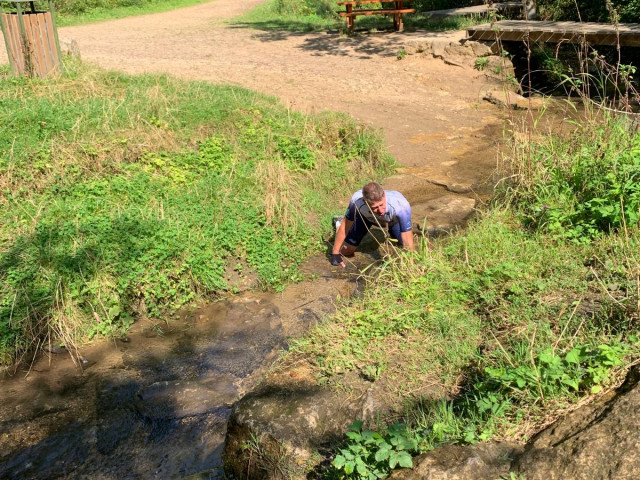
432 116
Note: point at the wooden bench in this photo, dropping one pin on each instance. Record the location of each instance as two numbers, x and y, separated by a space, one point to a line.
351 13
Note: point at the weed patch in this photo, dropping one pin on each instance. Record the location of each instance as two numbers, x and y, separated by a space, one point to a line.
584 186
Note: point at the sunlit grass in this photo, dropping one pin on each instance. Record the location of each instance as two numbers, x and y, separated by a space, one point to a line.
128 196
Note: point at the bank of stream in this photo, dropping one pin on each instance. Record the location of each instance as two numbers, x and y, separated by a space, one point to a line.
154 403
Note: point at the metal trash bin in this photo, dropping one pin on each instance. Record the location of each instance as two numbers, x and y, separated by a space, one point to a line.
31 39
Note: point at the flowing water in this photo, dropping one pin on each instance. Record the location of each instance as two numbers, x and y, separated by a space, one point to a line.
154 404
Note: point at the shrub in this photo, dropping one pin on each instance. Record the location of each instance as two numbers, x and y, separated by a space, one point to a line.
586 185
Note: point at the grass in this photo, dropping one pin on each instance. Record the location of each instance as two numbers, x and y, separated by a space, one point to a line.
320 15
514 321
131 196
81 12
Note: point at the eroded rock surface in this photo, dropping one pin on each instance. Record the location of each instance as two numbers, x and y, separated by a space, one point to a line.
488 461
596 442
281 426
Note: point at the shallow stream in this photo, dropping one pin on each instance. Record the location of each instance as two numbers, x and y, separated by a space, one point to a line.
155 403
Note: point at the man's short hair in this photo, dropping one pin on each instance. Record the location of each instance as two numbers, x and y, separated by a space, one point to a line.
372 192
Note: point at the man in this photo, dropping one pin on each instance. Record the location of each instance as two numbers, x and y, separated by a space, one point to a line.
368 207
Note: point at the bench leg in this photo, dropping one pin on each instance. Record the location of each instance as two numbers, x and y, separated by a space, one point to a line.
350 23
397 22
350 19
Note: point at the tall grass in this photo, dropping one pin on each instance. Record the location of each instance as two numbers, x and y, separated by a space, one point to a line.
131 196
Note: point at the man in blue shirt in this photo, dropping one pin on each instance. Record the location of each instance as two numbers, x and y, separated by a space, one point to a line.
368 207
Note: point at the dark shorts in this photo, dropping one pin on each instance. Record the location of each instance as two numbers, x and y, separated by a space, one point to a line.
361 226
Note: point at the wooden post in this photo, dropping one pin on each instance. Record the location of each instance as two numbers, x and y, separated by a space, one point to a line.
26 51
350 18
5 34
31 38
54 23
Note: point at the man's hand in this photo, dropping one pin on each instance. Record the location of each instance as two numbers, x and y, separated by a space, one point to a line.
336 260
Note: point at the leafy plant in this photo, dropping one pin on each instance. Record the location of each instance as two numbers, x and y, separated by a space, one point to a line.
596 191
481 63
370 455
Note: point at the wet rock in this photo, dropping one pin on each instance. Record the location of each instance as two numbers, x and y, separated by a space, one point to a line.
512 100
276 428
484 461
600 441
185 398
445 212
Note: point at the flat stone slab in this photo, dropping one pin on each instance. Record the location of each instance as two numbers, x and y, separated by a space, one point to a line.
443 213
512 100
186 398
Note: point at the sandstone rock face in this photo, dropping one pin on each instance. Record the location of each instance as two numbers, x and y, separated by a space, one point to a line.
594 443
488 461
442 214
455 49
273 432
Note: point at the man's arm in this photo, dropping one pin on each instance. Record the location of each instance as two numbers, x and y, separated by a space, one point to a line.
341 234
407 240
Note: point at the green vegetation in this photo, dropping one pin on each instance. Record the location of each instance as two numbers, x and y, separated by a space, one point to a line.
316 15
127 196
581 188
79 12
590 10
371 455
291 15
529 310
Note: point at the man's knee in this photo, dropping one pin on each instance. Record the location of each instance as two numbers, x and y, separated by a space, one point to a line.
347 250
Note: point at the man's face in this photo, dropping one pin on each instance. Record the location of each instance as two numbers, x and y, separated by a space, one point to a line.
380 206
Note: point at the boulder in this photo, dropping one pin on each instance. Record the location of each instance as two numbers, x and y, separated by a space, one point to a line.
596 442
484 461
278 428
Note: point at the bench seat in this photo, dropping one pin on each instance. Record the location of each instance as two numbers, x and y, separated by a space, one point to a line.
378 11
351 13
358 2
